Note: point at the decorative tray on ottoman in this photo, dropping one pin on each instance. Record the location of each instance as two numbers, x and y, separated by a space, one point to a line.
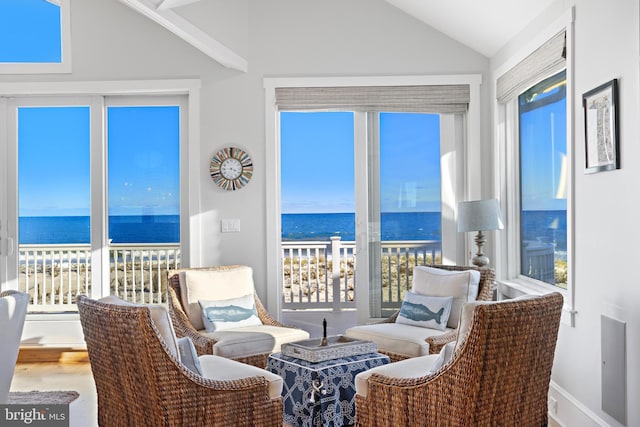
337 346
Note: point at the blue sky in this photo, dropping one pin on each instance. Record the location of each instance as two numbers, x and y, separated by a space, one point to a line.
30 31
543 144
144 161
54 161
317 162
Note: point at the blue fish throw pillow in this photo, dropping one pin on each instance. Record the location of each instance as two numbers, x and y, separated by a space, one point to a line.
229 313
425 311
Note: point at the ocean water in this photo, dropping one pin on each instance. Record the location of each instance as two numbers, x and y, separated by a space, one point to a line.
394 226
547 226
122 229
544 226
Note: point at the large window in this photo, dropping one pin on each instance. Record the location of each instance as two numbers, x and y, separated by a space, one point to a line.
534 152
34 36
95 183
318 194
543 181
384 188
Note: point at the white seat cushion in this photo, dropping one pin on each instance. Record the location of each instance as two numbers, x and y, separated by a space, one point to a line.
409 368
220 368
213 285
252 340
396 337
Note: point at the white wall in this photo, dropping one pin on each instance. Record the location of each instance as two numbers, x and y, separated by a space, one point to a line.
606 235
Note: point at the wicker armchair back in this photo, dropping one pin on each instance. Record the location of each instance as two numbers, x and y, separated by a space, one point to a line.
140 384
498 376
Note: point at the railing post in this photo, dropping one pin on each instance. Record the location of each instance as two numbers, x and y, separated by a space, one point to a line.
335 272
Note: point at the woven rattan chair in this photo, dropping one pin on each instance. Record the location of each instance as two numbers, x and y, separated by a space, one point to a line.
140 383
204 343
499 372
486 287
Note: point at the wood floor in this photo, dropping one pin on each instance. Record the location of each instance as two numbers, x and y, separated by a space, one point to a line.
62 376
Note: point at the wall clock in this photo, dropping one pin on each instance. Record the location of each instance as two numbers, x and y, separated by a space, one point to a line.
231 168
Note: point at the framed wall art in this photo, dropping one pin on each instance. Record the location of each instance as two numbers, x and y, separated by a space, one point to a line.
602 141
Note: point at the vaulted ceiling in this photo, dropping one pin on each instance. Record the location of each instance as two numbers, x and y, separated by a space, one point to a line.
483 25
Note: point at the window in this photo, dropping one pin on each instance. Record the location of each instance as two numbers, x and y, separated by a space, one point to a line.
405 149
94 195
534 151
543 181
34 36
144 173
318 204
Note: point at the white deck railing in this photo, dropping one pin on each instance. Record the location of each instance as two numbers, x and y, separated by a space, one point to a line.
311 275
54 275
313 272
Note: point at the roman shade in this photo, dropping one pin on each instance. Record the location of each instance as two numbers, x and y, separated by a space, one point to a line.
545 61
416 98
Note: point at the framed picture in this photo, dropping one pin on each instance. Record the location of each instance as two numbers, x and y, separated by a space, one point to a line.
601 128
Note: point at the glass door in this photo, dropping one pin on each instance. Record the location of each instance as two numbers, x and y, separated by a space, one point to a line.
91 211
404 214
360 206
49 199
317 209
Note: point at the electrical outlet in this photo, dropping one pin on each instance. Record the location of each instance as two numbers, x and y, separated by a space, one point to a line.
553 406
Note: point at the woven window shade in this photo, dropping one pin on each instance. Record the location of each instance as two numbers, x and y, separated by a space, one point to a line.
424 99
545 61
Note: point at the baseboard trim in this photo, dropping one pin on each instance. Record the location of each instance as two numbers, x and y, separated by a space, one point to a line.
64 355
571 412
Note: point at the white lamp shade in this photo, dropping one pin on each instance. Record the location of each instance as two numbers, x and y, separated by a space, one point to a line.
477 215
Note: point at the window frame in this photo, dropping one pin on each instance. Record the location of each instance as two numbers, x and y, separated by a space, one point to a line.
507 181
62 67
470 182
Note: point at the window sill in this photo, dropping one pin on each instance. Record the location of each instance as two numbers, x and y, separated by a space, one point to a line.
514 288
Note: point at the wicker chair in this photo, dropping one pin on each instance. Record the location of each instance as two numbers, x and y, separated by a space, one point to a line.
486 287
140 383
498 374
205 343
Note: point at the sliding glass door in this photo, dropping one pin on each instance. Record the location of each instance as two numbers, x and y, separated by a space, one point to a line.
92 190
351 182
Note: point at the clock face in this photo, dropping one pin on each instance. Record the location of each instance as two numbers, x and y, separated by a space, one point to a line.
231 168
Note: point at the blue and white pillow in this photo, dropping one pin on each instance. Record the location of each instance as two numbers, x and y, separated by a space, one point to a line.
425 311
229 313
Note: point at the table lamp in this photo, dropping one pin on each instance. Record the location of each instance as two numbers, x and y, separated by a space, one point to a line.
479 215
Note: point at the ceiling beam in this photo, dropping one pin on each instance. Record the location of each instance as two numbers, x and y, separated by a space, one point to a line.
168 4
190 33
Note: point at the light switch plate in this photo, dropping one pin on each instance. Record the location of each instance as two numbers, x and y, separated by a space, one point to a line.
230 226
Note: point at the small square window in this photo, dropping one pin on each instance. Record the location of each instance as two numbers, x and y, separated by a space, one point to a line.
34 36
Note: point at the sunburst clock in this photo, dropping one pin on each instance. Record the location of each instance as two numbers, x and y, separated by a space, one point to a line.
231 168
